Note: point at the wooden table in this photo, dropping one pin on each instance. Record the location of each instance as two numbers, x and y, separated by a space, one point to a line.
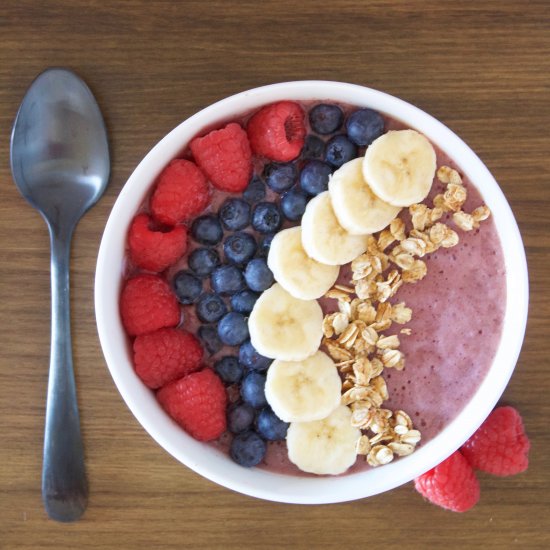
483 68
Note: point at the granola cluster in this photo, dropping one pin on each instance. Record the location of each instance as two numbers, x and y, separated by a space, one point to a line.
353 336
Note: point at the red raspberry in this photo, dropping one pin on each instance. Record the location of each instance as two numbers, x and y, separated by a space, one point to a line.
278 131
224 156
180 194
166 355
197 403
155 250
146 304
452 484
500 445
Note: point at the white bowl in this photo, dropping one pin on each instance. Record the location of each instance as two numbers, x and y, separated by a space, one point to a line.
214 464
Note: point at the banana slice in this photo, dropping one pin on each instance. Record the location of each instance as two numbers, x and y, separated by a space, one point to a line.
324 239
283 327
400 167
324 446
295 271
301 391
358 210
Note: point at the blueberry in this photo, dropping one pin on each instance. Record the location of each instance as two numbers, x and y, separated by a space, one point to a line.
207 229
202 261
209 336
326 118
314 147
266 218
255 191
235 214
247 449
229 369
293 204
211 308
239 248
265 245
251 359
364 126
339 151
314 177
270 426
227 279
252 390
244 301
280 177
257 275
187 287
240 417
233 329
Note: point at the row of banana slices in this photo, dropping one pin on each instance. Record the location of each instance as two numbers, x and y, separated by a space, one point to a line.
303 385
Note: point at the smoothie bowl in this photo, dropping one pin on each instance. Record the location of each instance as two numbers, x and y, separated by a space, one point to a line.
341 302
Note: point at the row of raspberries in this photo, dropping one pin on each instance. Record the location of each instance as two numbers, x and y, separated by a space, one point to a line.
223 157
167 358
499 447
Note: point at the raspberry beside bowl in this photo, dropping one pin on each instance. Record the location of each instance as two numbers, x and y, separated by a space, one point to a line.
212 463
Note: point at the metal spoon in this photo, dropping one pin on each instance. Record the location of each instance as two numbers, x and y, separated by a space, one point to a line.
60 164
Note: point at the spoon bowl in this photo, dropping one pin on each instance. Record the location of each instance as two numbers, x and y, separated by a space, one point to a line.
60 164
59 144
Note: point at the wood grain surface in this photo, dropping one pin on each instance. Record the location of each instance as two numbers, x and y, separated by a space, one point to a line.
483 68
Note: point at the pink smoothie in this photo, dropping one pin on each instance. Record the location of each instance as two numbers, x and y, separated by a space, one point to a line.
458 311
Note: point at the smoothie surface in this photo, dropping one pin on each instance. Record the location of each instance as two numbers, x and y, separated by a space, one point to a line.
457 318
458 313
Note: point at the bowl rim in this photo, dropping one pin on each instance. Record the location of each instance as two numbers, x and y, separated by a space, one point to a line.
212 463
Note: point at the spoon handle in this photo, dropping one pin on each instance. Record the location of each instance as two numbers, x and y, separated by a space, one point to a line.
64 484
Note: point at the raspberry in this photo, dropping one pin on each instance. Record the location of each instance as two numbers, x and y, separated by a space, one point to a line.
197 403
451 484
166 355
499 446
146 304
155 250
278 131
180 194
224 156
